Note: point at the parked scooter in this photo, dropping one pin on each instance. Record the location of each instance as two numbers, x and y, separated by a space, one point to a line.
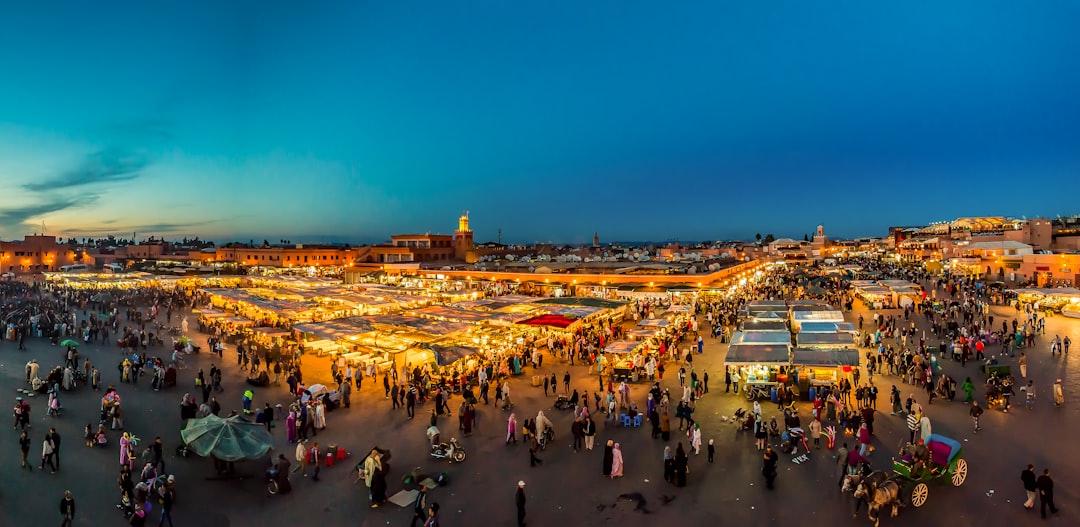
452 451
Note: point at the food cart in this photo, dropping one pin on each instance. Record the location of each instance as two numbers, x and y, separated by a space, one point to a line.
620 355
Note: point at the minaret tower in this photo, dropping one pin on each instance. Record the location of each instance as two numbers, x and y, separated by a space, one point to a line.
463 240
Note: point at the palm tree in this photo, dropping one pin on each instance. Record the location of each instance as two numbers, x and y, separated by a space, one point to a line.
758 237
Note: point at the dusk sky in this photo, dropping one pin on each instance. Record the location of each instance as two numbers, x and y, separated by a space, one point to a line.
352 120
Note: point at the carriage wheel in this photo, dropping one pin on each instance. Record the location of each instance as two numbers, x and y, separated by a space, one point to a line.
959 474
919 494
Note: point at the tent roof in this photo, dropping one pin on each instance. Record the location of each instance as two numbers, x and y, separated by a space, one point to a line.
756 354
763 325
825 327
831 339
622 346
583 302
771 338
825 358
654 323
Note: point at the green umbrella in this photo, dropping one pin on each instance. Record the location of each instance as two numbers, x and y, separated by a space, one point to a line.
102 297
69 342
231 439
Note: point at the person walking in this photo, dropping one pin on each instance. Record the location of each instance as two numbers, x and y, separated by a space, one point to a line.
590 433
24 447
1030 486
67 509
55 439
975 412
420 507
519 500
433 516
166 503
1046 493
768 466
158 451
1059 394
1023 365
47 454
301 457
566 382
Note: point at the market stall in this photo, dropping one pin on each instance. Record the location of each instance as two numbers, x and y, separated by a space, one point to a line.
824 367
759 365
620 359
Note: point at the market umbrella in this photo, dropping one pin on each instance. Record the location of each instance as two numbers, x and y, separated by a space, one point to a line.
231 439
317 389
103 316
70 342
183 340
102 297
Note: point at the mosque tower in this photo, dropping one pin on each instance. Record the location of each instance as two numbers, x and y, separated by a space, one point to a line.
596 239
463 241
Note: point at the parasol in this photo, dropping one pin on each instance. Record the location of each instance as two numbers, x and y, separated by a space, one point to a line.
183 340
101 297
231 439
70 343
317 389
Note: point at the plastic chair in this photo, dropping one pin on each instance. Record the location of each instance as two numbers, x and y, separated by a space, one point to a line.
637 420
626 421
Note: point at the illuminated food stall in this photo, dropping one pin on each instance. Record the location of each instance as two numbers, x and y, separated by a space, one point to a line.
759 365
824 367
620 359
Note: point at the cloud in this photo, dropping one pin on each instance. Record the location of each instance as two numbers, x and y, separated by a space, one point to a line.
110 227
21 215
104 166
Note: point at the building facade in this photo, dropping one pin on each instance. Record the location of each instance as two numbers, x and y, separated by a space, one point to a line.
38 254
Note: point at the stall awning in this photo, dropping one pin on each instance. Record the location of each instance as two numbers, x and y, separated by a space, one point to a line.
654 323
446 355
833 358
826 327
768 338
739 354
764 325
555 321
622 346
832 340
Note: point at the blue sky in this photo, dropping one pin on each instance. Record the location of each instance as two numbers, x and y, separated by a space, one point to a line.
350 121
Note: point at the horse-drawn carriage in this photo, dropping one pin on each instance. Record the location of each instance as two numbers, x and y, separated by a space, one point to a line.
941 457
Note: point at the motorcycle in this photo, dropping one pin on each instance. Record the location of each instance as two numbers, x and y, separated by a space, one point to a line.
563 403
545 438
452 451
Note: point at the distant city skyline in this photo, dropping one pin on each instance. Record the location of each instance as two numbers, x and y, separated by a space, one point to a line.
349 122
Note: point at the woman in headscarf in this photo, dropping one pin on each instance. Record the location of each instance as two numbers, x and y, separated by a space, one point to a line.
373 477
695 440
669 465
290 425
468 417
609 457
681 466
665 424
616 462
511 429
